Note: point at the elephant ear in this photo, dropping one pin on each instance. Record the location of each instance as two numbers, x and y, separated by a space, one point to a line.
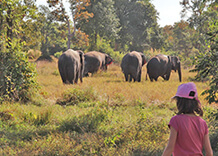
108 60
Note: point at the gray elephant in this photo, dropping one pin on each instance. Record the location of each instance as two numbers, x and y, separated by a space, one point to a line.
71 66
96 60
131 65
161 65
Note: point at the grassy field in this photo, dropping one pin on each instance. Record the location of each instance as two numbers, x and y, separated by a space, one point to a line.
101 116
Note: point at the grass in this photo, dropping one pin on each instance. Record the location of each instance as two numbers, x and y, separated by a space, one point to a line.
104 115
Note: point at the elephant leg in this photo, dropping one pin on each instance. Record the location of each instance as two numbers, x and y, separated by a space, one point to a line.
168 76
139 76
86 75
130 79
77 77
126 77
151 78
81 79
63 75
63 79
104 67
70 80
164 77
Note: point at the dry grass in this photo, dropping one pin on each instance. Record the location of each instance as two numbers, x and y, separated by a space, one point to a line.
111 84
125 119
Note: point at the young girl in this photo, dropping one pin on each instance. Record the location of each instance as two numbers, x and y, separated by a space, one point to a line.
188 132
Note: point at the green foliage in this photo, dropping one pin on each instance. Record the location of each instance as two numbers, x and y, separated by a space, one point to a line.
42 118
104 22
75 96
207 64
18 76
104 46
58 54
211 116
52 35
138 25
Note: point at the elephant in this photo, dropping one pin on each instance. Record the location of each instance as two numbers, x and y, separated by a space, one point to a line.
161 65
96 60
71 66
131 65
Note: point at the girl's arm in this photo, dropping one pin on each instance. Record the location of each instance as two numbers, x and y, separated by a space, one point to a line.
171 143
207 146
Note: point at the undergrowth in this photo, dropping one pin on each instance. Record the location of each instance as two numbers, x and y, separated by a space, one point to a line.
103 116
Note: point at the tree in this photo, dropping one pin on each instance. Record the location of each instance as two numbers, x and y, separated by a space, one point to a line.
183 43
207 63
138 24
52 34
200 15
104 22
17 75
78 13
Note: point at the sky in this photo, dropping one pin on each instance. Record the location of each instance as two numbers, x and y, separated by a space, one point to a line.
169 10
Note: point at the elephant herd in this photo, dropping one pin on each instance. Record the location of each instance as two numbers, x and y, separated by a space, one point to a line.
74 65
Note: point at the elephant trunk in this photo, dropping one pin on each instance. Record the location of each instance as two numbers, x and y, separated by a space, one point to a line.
179 73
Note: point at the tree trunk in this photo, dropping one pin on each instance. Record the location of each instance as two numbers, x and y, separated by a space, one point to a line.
96 39
69 34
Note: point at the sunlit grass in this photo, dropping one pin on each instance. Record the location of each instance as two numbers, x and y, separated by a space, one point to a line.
120 118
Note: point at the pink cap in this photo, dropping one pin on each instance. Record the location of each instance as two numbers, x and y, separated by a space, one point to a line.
187 90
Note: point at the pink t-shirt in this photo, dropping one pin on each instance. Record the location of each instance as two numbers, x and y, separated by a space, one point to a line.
190 134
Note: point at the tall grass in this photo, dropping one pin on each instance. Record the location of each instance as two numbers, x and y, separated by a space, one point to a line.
104 115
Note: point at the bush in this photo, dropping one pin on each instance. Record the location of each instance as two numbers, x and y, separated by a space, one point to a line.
17 75
75 96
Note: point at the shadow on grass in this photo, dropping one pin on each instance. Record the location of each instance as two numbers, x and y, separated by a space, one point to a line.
13 135
83 124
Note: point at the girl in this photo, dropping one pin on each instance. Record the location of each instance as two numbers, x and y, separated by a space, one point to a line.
188 132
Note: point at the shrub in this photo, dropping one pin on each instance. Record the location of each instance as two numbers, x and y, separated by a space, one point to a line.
17 75
75 96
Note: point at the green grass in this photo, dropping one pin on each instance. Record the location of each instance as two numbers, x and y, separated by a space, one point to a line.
104 115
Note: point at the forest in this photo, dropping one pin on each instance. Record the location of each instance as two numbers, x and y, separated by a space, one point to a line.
103 115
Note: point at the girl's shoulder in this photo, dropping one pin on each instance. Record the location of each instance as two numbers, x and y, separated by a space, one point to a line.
187 117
